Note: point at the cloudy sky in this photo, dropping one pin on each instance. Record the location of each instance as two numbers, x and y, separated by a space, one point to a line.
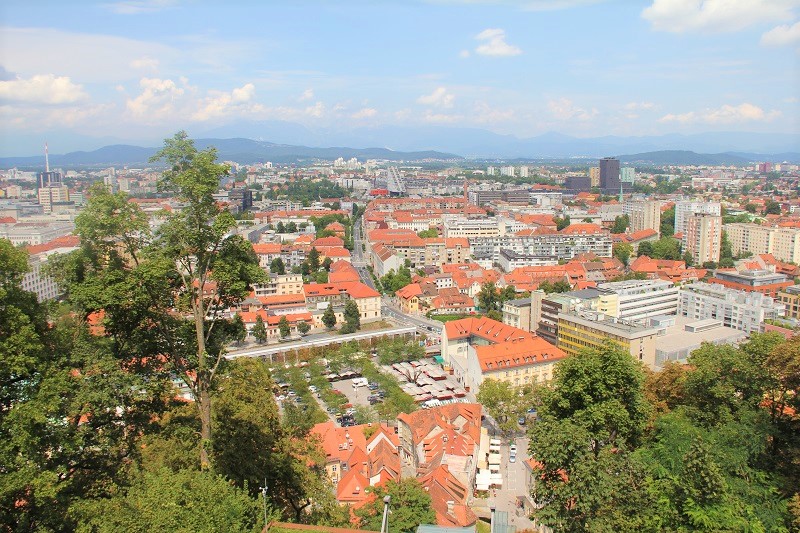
145 68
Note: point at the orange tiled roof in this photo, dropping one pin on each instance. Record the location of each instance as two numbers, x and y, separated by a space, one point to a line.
486 328
517 353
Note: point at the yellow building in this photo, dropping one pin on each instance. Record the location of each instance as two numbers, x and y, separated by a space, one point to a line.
594 176
790 298
593 330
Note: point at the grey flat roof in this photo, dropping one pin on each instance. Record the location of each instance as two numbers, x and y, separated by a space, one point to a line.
677 337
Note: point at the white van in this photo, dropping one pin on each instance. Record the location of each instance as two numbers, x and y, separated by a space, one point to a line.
360 382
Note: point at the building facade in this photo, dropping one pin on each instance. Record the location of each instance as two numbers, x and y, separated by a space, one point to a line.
745 311
703 238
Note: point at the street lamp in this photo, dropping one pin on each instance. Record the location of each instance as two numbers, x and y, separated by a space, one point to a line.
264 495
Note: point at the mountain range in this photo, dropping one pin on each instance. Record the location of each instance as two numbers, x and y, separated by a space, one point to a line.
288 142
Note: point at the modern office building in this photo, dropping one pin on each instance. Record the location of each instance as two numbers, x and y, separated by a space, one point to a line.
762 281
591 329
609 175
637 300
745 311
703 237
627 175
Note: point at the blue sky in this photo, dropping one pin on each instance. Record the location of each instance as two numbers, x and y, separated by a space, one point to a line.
139 69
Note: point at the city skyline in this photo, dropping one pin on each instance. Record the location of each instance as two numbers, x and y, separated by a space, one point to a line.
139 70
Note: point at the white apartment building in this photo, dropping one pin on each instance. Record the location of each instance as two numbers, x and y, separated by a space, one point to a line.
455 227
744 311
637 300
34 233
783 243
686 208
703 238
643 215
559 245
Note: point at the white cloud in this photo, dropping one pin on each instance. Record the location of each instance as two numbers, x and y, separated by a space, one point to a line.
791 100
439 98
782 35
494 44
42 89
715 15
223 104
316 111
157 101
464 53
440 118
308 94
483 113
103 58
726 114
635 106
367 112
145 63
565 109
137 7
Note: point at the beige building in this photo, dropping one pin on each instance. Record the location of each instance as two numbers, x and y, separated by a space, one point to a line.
790 298
643 215
594 176
782 243
54 194
577 331
281 284
703 238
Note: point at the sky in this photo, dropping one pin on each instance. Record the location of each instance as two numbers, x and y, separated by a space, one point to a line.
142 69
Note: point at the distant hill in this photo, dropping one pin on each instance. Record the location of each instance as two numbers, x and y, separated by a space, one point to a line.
237 150
684 157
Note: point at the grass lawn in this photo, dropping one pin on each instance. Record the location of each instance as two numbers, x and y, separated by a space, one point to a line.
448 318
379 324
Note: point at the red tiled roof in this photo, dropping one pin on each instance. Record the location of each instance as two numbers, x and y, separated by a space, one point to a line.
486 328
517 353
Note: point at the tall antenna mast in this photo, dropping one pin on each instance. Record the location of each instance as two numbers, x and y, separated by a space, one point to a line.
46 159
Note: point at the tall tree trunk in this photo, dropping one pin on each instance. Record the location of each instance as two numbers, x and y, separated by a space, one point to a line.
204 405
203 381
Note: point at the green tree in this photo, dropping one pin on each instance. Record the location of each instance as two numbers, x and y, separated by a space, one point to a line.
313 260
283 327
645 249
196 241
303 328
321 277
326 264
291 227
688 258
259 330
277 266
280 228
329 317
176 501
239 330
352 317
622 251
428 233
488 299
666 248
621 224
667 228
70 413
503 402
561 286
594 412
561 223
772 208
410 506
751 208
